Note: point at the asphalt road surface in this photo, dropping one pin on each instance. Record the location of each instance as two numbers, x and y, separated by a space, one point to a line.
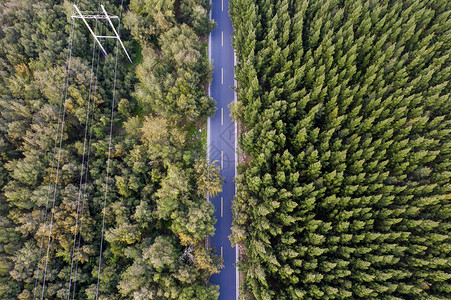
221 145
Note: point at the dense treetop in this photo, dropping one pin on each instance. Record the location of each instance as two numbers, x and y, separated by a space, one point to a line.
156 216
345 114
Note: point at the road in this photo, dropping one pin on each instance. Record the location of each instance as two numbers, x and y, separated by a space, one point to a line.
222 145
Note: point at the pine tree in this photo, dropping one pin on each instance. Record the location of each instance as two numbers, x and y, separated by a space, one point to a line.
336 121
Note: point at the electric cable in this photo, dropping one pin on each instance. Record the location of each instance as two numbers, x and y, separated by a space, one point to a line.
51 173
82 186
59 160
65 79
109 153
87 169
83 161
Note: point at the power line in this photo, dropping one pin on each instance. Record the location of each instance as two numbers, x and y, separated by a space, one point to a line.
87 169
63 95
83 162
61 133
51 173
58 164
109 156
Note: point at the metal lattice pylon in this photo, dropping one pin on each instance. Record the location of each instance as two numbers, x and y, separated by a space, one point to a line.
105 16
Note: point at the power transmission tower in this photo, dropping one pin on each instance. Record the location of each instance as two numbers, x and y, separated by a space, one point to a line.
104 16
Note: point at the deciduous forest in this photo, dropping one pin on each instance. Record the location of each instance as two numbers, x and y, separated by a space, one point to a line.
54 146
343 190
344 109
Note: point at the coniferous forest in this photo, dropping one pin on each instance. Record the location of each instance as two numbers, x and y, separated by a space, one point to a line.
344 185
155 218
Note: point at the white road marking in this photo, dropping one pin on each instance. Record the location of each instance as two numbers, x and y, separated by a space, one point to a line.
222 116
222 38
222 206
222 75
221 251
222 5
222 159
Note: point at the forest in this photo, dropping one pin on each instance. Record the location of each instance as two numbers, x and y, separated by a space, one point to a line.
344 186
85 218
